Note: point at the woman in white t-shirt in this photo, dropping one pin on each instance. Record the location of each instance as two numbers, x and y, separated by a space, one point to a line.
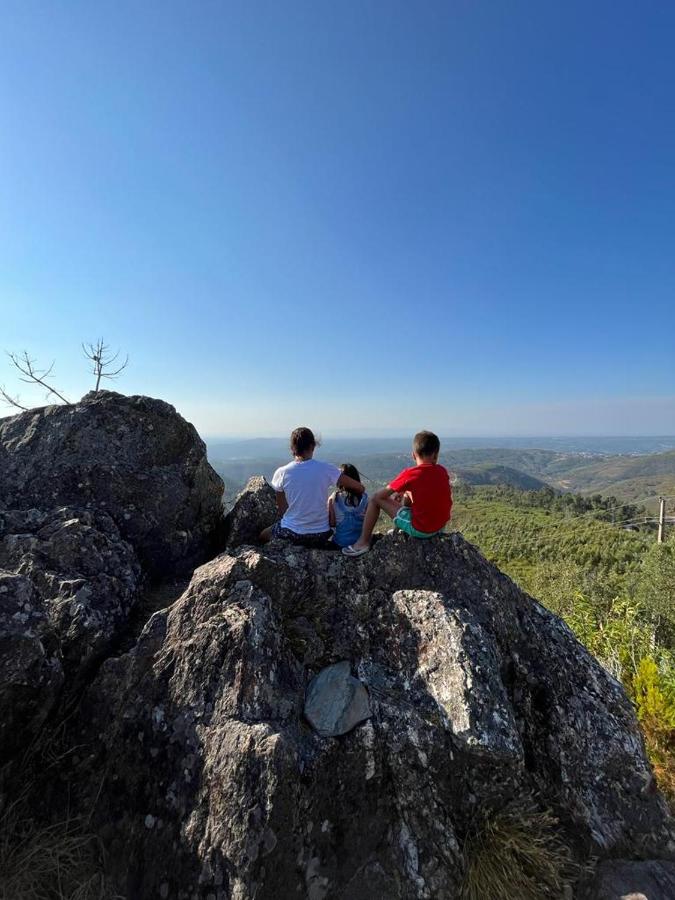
301 491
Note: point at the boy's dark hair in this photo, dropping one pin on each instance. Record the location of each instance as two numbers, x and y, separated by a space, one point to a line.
351 498
425 443
302 440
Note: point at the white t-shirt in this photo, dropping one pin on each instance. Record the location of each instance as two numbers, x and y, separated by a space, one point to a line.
305 484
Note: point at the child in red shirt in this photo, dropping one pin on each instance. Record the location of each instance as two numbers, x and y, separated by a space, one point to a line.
419 499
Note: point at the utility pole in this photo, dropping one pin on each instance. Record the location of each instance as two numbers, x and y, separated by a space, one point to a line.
662 519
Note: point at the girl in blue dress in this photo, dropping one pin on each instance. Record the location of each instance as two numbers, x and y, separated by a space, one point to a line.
346 510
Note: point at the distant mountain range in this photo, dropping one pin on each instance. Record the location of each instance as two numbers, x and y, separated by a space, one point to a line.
632 475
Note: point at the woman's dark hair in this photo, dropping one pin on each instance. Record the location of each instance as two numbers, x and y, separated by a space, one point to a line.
302 440
351 497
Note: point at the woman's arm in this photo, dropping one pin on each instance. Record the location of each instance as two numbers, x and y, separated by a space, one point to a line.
346 482
282 502
331 511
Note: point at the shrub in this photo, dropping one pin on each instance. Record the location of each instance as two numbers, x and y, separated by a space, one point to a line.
655 589
655 701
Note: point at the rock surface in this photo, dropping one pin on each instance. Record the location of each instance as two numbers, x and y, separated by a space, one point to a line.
86 576
31 670
625 880
255 508
336 702
132 457
216 786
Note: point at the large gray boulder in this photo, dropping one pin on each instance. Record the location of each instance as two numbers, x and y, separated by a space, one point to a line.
132 457
216 785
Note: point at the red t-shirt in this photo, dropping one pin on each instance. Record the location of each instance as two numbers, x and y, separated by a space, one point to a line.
429 485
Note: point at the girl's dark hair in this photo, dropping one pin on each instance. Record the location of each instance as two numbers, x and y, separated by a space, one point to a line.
351 498
302 440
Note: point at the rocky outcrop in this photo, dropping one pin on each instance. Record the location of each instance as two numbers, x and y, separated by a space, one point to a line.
217 786
254 508
93 497
133 458
296 723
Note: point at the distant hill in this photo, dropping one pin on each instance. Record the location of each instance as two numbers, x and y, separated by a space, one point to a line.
627 477
487 474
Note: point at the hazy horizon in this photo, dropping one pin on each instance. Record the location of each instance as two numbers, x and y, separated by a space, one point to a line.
400 435
276 447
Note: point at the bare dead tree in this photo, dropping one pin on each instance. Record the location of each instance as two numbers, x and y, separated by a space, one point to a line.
32 375
102 361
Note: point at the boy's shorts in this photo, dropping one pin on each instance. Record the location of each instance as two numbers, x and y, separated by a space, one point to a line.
403 521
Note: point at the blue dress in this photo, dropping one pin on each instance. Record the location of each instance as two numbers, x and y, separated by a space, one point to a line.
348 519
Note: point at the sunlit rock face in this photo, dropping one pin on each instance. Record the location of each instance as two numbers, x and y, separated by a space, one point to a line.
216 784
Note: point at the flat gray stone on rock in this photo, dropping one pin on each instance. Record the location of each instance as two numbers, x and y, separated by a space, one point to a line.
336 702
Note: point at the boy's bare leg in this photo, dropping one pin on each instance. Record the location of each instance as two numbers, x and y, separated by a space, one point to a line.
375 504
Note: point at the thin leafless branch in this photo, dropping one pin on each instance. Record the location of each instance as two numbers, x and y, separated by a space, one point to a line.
12 401
26 366
101 361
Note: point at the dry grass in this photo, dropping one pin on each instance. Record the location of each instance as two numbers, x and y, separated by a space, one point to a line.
59 861
518 853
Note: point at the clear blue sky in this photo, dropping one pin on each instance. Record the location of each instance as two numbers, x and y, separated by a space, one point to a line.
355 215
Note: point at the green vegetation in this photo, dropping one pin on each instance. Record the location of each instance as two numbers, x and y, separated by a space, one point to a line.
521 530
614 588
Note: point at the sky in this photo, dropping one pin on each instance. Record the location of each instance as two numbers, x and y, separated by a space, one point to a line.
366 217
